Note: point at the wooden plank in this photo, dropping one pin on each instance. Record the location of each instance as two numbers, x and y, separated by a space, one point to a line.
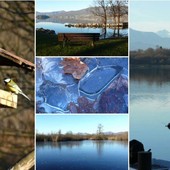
8 99
78 36
26 163
82 34
16 59
154 167
62 37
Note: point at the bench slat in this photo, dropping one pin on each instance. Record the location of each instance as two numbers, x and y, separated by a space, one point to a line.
78 36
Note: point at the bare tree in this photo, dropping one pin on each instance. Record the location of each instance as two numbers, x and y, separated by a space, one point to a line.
100 135
100 10
117 9
113 14
99 129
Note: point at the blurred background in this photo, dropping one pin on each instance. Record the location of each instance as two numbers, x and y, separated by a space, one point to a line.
17 37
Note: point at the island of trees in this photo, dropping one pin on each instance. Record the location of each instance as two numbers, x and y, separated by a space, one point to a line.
150 57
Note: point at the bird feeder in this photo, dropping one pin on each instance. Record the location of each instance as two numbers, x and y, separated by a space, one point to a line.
8 99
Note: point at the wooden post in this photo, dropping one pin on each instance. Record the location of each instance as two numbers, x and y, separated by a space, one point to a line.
144 160
8 99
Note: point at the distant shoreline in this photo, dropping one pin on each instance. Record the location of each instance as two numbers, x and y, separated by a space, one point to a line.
142 66
123 136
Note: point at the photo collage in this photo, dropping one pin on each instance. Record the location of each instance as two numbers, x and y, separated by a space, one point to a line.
85 85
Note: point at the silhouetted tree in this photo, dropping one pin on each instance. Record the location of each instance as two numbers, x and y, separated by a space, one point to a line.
99 129
117 9
100 10
100 135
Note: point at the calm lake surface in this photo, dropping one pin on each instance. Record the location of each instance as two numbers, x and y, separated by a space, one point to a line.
150 110
60 27
84 155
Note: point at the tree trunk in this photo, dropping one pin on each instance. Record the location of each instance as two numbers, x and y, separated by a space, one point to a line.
105 23
105 30
118 28
114 21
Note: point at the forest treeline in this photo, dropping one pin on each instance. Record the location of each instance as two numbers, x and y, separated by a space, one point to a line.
69 136
150 56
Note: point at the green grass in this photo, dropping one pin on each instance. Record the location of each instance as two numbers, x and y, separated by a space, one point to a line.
48 45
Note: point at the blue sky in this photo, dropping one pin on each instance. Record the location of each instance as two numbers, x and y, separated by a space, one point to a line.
81 123
58 5
150 16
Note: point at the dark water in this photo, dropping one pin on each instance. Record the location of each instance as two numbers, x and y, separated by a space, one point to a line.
150 109
84 155
59 27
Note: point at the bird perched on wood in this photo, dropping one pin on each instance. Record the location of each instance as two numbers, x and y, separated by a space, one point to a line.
13 87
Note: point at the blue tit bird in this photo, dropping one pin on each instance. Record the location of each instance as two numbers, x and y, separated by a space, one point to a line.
13 87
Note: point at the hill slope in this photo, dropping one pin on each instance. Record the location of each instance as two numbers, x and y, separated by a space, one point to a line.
144 40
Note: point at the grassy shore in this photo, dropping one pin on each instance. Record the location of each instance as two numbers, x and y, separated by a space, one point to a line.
48 45
77 137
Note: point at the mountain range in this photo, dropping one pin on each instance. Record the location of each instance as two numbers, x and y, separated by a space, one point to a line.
83 15
164 33
144 40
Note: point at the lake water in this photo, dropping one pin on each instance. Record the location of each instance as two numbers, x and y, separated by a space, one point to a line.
84 155
150 110
60 27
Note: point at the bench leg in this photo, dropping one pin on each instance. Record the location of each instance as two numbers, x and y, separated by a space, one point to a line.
64 43
92 43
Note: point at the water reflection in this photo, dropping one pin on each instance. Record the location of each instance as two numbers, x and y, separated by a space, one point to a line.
59 145
59 27
99 146
150 106
151 75
82 155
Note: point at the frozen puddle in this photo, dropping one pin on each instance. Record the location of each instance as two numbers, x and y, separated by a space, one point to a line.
103 89
97 80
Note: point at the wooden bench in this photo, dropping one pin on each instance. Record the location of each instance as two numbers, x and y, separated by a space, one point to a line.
78 37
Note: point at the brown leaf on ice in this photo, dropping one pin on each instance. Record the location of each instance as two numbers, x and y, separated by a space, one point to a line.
113 100
83 106
75 67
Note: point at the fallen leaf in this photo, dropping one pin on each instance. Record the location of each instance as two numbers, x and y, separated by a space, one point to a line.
75 67
83 106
